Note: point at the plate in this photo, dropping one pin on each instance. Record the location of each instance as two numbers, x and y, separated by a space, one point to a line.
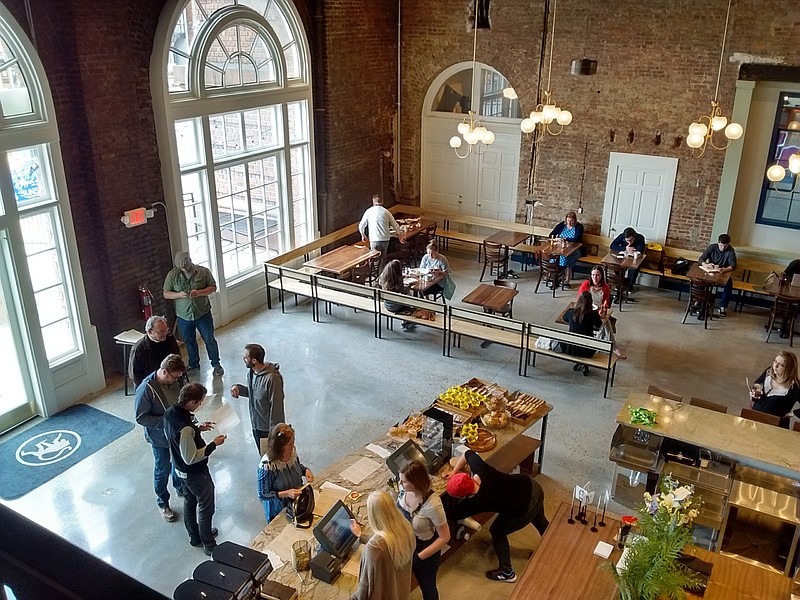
486 441
409 280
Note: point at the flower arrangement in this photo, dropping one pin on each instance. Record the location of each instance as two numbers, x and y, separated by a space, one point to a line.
652 569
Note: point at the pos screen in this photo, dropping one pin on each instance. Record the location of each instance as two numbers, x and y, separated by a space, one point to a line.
333 531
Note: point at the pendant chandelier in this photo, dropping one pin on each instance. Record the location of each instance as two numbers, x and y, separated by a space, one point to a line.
704 131
547 117
472 131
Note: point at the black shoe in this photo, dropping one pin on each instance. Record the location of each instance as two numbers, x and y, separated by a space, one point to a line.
701 316
198 542
576 366
784 335
485 344
565 286
629 299
209 550
498 575
615 300
585 370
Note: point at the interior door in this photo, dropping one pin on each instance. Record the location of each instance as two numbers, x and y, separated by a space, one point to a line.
639 191
445 176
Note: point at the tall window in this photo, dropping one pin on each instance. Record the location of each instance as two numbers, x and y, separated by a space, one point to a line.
779 205
239 102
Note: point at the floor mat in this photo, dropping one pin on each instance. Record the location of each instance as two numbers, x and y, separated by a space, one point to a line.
38 454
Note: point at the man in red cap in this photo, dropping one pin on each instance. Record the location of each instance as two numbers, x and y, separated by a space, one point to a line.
517 500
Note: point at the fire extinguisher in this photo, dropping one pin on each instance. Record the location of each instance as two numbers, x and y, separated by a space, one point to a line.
146 298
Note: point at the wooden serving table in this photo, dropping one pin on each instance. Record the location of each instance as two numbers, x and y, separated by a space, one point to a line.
512 449
342 259
564 567
784 290
493 297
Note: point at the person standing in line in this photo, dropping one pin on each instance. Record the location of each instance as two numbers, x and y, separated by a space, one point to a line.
148 352
379 223
190 455
264 389
280 473
722 256
190 285
155 394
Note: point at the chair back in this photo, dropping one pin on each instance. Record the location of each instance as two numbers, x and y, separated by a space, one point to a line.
509 306
551 270
708 405
796 426
761 417
701 292
664 393
492 253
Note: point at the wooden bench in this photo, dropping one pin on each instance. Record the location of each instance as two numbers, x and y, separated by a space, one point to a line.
288 280
485 326
346 293
438 309
749 278
446 235
603 358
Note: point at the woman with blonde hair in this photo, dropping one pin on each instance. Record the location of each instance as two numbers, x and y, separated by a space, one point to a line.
386 560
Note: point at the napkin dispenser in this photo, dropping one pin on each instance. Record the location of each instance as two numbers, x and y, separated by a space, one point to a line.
326 567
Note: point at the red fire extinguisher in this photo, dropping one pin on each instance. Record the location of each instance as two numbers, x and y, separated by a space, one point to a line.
146 298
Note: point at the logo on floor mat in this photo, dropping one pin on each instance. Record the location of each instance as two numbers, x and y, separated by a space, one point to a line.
48 448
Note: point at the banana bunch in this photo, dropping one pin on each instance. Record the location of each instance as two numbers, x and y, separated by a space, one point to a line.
462 398
470 432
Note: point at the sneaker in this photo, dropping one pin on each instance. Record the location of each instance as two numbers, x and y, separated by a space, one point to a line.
168 515
498 575
219 371
723 312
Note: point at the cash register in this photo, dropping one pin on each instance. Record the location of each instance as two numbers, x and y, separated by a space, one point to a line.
336 542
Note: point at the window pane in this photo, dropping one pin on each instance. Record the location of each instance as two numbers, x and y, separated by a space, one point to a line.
194 202
45 269
226 134
14 95
52 305
257 5
190 152
262 128
298 121
37 233
779 204
278 22
453 96
213 77
492 101
59 339
293 70
30 175
13 382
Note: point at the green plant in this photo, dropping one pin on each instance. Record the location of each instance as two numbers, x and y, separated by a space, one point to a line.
652 568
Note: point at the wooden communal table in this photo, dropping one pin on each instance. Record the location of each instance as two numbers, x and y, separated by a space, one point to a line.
342 259
784 290
493 297
420 283
697 274
557 249
613 261
564 567
512 449
507 239
414 225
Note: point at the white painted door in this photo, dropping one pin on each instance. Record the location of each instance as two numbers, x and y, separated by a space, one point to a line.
498 173
446 178
639 192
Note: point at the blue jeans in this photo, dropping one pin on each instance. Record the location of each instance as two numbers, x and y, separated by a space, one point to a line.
198 507
725 297
161 470
205 325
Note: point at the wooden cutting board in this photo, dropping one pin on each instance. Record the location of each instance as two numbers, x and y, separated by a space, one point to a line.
486 441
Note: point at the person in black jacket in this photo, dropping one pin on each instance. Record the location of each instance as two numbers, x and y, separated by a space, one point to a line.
572 231
582 319
629 242
777 390
190 457
148 352
792 269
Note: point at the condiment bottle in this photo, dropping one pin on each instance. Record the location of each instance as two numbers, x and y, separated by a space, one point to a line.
627 522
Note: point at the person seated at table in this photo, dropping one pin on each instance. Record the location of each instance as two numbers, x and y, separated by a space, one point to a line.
629 242
385 572
433 261
777 389
423 508
722 256
391 280
582 319
572 231
792 269
280 473
517 499
601 295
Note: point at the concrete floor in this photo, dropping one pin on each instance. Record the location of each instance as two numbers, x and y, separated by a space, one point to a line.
345 388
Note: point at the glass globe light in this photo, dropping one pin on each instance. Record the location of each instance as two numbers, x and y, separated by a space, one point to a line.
488 138
793 125
794 163
471 137
698 129
695 140
718 122
550 112
537 117
481 131
776 173
455 142
527 125
564 117
733 131
463 128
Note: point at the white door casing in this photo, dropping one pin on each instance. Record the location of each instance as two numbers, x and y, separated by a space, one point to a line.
639 191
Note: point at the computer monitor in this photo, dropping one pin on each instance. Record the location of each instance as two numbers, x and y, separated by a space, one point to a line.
333 531
404 455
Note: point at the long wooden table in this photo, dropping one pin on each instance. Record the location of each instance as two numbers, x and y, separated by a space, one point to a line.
564 567
696 273
556 249
342 259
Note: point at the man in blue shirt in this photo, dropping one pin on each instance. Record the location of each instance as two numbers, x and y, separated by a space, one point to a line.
629 242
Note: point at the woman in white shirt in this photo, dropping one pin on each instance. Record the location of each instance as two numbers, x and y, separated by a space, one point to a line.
423 507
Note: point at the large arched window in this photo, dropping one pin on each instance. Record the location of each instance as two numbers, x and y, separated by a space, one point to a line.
46 341
236 81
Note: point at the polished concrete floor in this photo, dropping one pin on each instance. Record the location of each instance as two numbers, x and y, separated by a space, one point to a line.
345 388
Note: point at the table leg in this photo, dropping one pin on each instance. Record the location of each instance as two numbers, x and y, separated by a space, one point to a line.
126 358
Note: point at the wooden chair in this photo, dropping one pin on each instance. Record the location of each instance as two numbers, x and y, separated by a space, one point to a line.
708 405
664 393
493 257
419 245
796 426
785 309
618 283
761 417
701 295
366 273
508 309
552 272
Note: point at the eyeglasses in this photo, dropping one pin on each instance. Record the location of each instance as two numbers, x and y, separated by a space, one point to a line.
173 376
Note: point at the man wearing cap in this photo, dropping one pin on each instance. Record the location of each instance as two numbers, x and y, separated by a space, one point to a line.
517 500
190 286
148 352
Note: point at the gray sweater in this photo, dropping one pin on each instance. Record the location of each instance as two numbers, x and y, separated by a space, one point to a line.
378 578
265 391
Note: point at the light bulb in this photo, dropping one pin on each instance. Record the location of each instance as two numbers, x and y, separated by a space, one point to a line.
481 131
718 122
733 131
776 173
510 93
471 137
463 128
794 163
564 117
455 142
698 129
537 117
694 140
527 125
488 138
549 112
793 125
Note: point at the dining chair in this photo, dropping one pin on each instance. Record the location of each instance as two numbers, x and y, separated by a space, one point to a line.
664 393
708 405
785 309
551 271
615 278
366 273
494 257
761 417
701 295
508 309
796 426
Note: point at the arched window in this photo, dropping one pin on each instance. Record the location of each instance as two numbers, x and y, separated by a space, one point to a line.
44 327
236 83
